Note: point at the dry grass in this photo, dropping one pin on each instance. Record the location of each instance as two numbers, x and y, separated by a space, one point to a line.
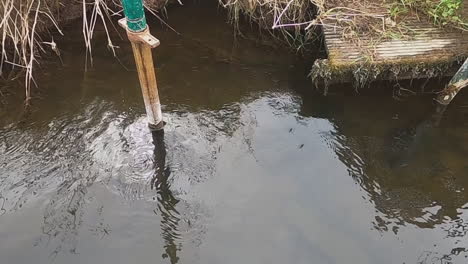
287 17
21 43
24 23
22 20
277 13
361 22
296 17
18 29
376 19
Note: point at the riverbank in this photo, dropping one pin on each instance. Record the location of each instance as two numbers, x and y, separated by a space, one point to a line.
370 40
363 25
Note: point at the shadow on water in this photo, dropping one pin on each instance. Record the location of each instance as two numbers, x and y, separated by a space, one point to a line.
167 202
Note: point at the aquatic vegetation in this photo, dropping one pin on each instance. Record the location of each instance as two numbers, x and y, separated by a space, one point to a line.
323 72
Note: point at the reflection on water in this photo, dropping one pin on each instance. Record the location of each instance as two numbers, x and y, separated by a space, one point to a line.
166 201
253 166
413 170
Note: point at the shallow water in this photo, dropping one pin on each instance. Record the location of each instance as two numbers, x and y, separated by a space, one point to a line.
254 166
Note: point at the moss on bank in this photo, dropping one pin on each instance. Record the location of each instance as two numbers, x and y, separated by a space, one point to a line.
324 72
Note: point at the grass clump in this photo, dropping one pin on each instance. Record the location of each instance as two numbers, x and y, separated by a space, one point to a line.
286 20
442 12
22 27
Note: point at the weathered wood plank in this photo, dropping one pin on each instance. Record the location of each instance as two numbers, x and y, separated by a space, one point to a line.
428 44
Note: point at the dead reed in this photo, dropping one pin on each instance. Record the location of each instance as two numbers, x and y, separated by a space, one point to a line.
24 25
21 43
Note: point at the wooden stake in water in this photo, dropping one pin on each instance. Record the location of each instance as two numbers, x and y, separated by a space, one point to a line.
458 82
142 42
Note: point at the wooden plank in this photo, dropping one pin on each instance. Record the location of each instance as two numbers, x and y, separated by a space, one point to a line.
427 44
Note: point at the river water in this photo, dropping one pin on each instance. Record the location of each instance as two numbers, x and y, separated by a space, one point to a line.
253 167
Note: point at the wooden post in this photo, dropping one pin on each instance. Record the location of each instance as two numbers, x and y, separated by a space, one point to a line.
149 88
142 41
458 82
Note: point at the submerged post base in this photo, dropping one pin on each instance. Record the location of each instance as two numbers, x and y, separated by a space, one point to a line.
158 127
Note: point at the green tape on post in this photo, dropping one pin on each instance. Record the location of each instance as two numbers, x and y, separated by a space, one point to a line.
135 14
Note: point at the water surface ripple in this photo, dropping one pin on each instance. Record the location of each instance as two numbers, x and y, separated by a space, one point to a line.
253 166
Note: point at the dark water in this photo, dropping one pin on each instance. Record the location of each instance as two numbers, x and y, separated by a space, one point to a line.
254 167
